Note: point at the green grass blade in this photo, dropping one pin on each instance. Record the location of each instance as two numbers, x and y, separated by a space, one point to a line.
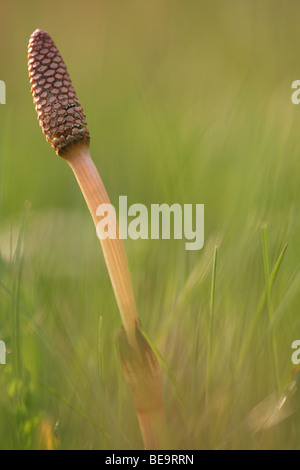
265 249
75 409
253 325
17 264
179 392
100 351
120 380
211 324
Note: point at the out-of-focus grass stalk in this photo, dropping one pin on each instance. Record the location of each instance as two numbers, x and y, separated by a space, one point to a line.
100 351
17 394
17 264
265 249
4 154
211 325
253 325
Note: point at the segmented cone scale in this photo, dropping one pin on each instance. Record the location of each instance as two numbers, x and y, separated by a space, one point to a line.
60 114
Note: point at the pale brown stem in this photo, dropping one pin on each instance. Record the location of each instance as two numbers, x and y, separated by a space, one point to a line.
143 375
95 194
141 369
154 430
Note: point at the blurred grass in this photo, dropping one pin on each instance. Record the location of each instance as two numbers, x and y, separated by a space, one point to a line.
186 102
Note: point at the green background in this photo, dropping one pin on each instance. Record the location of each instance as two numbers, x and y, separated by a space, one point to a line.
186 102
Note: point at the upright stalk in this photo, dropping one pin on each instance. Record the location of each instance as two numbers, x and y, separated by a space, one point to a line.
95 194
63 122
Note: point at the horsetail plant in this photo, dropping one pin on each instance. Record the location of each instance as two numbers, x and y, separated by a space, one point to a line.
64 124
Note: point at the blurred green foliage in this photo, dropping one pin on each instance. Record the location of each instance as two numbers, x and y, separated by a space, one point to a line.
186 102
